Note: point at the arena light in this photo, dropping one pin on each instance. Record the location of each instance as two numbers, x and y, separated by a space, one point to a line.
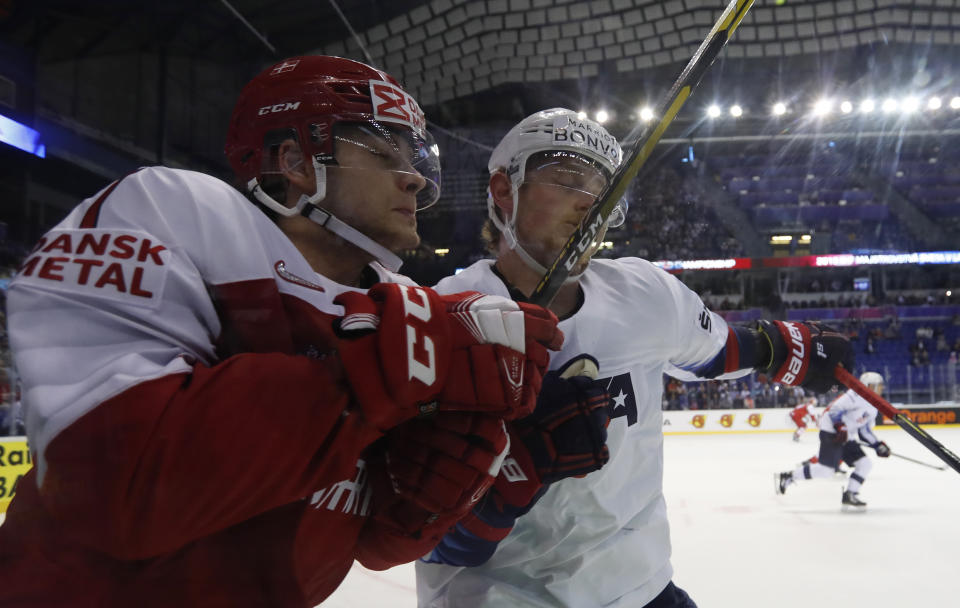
846 107
935 103
867 106
889 105
955 103
780 238
602 116
805 239
646 114
441 251
713 111
581 114
779 109
822 107
21 136
909 105
736 111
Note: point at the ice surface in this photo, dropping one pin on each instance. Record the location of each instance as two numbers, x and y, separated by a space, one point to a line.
737 544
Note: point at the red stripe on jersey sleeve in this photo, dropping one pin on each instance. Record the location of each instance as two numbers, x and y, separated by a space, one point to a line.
732 363
93 213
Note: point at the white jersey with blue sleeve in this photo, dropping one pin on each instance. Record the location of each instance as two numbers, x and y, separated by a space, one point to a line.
601 540
856 413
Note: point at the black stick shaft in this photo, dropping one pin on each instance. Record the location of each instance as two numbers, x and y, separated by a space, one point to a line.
920 462
913 460
639 144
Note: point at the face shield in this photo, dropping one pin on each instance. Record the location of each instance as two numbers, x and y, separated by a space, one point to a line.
376 147
573 175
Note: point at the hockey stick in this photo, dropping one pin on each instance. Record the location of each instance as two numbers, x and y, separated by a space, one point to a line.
639 144
847 379
913 460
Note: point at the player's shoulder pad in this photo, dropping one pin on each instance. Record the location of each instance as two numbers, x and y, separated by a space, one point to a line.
478 276
387 276
637 267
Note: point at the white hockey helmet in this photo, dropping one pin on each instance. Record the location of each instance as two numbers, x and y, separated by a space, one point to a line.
872 379
556 129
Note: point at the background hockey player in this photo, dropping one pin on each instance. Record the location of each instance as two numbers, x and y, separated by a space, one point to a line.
843 425
802 415
602 540
201 383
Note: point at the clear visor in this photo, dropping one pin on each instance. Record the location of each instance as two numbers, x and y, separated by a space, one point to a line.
374 146
574 174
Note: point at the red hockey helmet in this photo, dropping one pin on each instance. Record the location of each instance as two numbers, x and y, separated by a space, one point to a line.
309 96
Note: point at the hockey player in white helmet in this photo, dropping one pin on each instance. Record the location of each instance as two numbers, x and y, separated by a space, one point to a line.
843 425
542 540
217 402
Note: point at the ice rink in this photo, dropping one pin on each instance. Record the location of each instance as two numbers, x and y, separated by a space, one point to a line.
736 544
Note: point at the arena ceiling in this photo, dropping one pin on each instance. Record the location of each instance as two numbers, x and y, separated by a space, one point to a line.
163 75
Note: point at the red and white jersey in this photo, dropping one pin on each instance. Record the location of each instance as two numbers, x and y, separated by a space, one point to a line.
804 413
174 350
602 540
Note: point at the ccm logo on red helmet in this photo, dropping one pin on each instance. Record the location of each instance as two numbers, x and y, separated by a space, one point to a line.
278 107
421 352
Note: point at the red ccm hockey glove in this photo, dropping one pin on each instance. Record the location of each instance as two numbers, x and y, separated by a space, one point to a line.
408 351
804 354
432 472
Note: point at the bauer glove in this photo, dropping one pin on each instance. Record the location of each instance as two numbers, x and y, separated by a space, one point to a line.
804 354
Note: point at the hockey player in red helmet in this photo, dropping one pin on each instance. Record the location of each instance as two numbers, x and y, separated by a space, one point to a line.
312 136
223 405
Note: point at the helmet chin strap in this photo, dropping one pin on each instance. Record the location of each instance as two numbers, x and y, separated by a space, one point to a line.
308 206
321 216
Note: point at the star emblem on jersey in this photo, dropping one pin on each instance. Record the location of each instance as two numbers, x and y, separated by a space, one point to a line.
623 402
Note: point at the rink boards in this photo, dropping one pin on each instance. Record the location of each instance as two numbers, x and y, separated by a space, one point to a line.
774 420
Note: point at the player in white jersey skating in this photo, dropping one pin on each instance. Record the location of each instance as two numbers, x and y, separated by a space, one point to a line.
843 425
602 540
206 389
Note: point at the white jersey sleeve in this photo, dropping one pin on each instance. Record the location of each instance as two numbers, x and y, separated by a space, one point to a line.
855 412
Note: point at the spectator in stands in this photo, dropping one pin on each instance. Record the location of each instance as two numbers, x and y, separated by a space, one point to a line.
942 345
892 331
869 347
